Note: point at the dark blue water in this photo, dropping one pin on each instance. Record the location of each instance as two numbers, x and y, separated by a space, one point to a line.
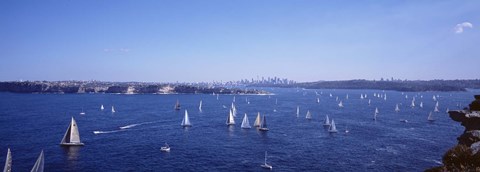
32 122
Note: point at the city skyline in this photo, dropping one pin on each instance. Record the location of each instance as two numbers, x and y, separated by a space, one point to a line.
195 41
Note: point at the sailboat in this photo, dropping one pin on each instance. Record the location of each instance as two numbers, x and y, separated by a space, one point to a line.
101 107
263 125
83 112
165 148
200 106
8 162
436 109
177 105
72 135
331 95
258 121
265 165
346 97
369 102
385 96
434 98
217 96
397 109
230 119
430 117
361 96
421 105
38 167
375 114
413 103
298 111
318 100
233 98
186 120
333 128
326 122
113 109
309 115
340 104
234 110
245 123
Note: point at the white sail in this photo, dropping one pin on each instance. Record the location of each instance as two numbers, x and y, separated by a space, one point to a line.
336 99
230 119
430 117
101 107
200 106
375 114
258 121
38 167
318 100
326 122
436 109
233 98
346 97
298 111
421 105
245 123
340 104
376 111
234 110
331 95
333 128
361 96
217 96
8 162
72 135
385 96
263 125
365 96
369 101
397 109
186 120
436 105
413 103
309 115
434 98
113 109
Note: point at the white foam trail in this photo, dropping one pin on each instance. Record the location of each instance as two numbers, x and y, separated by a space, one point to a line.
134 125
129 126
105 132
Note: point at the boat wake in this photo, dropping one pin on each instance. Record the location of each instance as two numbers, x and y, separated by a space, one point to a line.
105 132
134 125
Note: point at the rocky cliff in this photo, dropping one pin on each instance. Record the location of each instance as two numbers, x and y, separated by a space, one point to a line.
465 156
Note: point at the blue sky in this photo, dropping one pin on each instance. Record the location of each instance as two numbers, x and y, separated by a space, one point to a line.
207 40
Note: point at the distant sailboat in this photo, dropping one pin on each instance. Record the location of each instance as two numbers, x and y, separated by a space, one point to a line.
413 103
369 102
298 111
336 99
38 167
421 105
326 122
333 128
234 110
177 105
265 165
217 96
385 96
309 115
83 112
186 120
72 135
430 117
331 95
200 106
258 121
434 98
102 108
113 109
230 119
361 96
165 148
375 114
245 123
340 104
397 109
233 98
318 100
346 97
263 125
436 109
8 162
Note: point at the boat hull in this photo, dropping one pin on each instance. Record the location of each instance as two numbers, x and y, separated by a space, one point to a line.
72 144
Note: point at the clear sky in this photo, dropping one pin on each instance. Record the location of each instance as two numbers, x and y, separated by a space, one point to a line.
207 40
